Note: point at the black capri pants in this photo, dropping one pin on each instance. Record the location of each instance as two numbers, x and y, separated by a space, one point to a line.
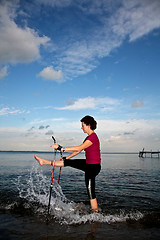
91 171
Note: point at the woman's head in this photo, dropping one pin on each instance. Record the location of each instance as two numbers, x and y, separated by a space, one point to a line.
88 120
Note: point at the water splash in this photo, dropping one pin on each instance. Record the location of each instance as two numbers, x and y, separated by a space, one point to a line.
34 191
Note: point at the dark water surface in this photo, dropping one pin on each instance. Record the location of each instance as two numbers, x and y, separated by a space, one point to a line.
127 188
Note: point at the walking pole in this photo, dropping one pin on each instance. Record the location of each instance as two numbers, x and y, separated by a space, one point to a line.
60 168
51 186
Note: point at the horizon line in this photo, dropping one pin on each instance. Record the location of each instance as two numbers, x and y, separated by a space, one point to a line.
36 151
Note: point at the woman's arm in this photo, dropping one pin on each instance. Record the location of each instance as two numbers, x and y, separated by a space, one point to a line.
72 155
78 149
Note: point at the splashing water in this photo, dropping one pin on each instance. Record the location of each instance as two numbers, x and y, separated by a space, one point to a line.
34 191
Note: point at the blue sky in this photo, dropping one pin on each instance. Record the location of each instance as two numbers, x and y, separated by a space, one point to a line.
63 59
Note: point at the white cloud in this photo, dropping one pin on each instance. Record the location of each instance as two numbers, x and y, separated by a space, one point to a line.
143 18
3 72
50 74
82 56
137 103
17 44
116 21
112 133
133 19
140 133
9 111
91 103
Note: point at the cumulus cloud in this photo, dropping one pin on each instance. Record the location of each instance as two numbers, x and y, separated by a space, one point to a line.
137 104
17 44
91 103
49 73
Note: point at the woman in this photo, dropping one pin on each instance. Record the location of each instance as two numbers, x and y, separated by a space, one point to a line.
91 165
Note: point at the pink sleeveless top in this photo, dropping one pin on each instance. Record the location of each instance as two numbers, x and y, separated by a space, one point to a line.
93 152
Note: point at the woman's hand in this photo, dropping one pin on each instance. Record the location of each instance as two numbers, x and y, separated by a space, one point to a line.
55 146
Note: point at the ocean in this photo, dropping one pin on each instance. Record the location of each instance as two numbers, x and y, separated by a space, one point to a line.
127 190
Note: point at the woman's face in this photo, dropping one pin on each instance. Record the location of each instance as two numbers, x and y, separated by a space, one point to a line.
85 127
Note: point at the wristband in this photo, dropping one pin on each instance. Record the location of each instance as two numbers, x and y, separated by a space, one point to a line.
59 148
52 163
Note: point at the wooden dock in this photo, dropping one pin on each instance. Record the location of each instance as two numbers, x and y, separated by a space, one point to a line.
149 153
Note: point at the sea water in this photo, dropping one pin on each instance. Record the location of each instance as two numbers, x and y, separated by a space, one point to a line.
127 190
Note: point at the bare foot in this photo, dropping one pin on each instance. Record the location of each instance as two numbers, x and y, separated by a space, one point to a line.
38 159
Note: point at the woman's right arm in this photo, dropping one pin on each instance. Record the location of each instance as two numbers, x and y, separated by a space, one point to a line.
76 149
72 155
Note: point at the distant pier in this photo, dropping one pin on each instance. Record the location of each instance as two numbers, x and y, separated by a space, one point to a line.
149 153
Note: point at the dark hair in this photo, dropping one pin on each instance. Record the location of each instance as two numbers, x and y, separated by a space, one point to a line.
88 120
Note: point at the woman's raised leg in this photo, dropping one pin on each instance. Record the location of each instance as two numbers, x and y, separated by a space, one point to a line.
42 161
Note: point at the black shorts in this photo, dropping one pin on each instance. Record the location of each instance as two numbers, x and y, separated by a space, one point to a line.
91 171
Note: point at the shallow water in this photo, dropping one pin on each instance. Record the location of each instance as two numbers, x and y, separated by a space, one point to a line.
127 188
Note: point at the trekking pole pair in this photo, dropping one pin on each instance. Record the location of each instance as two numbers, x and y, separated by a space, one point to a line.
51 186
